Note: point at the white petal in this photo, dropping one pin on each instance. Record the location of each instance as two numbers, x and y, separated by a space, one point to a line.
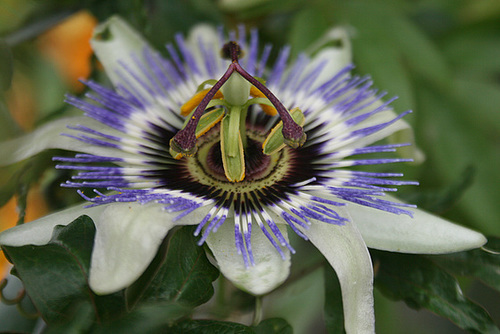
346 252
114 42
127 238
424 234
39 232
333 58
49 136
204 32
270 269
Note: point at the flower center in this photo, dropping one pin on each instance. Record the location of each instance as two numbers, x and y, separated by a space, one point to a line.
256 162
231 94
261 170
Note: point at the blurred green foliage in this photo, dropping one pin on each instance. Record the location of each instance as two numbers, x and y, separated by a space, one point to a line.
441 57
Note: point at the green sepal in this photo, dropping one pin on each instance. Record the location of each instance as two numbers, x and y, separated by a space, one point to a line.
209 120
233 158
275 140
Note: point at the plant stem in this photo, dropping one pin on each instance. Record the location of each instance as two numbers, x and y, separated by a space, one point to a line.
257 316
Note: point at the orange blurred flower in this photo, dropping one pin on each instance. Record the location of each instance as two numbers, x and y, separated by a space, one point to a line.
67 45
36 207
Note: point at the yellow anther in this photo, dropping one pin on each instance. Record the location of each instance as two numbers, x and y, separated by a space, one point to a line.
271 111
196 99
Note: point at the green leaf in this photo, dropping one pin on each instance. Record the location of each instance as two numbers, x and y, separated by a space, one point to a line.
6 66
376 51
79 320
156 318
36 19
180 273
481 57
49 87
421 284
8 126
55 275
334 312
15 177
273 325
483 264
211 326
308 25
441 200
468 140
477 11
157 20
419 52
247 10
481 100
152 318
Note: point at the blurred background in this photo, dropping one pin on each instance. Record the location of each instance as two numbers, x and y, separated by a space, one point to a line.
440 57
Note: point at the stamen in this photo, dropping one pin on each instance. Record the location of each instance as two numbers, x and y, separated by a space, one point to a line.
196 100
254 92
